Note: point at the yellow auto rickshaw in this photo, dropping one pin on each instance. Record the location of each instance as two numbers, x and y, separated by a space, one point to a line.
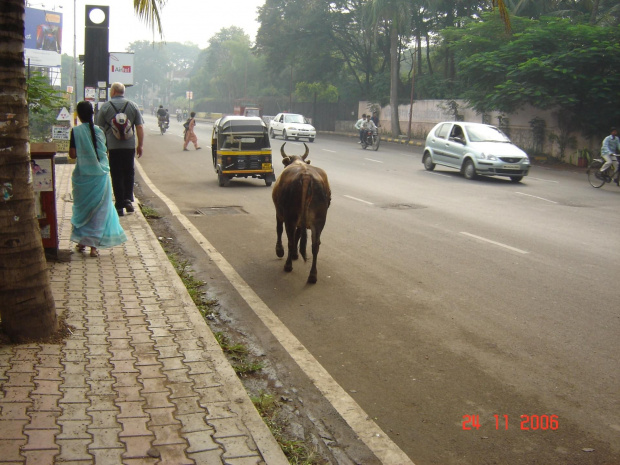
240 148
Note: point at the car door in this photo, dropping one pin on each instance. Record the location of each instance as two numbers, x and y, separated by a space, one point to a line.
440 143
456 147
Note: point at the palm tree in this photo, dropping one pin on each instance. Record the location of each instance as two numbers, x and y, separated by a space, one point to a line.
27 306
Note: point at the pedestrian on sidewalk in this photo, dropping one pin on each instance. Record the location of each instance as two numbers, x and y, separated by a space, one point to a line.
190 135
95 220
122 148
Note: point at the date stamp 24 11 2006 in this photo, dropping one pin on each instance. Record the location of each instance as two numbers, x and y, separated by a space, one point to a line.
528 422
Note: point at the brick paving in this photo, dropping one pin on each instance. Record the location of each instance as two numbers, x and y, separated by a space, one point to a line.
141 379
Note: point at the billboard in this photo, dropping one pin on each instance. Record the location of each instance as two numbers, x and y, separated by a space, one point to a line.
121 68
43 37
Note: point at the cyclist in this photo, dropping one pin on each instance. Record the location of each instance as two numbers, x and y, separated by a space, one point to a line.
609 149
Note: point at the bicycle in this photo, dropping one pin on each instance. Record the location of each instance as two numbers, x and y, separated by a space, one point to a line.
603 178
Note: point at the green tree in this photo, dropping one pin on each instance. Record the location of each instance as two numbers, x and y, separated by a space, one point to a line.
44 103
27 306
554 64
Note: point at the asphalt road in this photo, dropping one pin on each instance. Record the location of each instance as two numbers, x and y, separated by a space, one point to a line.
441 303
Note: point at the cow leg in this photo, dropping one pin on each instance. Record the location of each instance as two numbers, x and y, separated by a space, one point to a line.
316 242
279 247
292 251
303 240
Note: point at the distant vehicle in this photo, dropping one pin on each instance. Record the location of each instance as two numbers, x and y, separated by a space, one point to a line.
141 108
247 110
474 149
291 125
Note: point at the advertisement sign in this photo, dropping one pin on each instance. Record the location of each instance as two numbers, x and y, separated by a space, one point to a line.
43 37
121 68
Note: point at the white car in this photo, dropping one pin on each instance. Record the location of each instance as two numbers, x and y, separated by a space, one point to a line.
291 125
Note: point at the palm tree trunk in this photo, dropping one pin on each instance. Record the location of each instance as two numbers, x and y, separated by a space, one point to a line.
26 303
394 78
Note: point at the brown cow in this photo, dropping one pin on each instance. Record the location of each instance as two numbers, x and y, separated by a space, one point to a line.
301 196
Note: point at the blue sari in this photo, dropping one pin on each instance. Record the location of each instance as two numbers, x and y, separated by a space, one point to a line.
95 219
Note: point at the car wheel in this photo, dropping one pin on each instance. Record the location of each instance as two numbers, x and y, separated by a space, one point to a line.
469 170
428 162
271 134
516 178
284 136
311 139
267 182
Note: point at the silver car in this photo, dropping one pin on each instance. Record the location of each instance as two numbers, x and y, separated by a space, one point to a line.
474 149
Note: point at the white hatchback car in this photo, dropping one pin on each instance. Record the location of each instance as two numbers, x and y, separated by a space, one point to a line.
474 149
291 125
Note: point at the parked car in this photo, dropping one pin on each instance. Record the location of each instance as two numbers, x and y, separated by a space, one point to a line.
291 125
474 149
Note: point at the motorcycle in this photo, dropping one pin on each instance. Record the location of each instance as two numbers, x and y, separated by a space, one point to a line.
163 125
371 139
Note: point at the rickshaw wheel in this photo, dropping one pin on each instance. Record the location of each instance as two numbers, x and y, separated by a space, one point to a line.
222 180
267 182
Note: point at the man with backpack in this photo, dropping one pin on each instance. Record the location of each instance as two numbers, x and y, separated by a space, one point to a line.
122 121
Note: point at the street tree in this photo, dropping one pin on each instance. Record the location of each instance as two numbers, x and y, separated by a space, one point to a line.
554 64
27 306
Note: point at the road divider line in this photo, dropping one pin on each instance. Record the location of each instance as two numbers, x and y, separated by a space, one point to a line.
376 161
536 197
358 200
330 151
359 421
499 244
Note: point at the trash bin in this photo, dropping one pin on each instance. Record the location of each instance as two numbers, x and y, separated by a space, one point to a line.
44 185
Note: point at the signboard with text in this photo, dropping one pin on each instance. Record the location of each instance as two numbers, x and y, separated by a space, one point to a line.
42 37
121 68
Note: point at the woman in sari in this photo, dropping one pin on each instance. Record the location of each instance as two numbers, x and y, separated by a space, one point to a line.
95 220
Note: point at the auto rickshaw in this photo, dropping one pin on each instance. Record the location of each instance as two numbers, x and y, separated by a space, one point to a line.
240 148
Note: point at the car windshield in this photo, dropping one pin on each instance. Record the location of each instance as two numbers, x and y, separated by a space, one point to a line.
294 119
486 134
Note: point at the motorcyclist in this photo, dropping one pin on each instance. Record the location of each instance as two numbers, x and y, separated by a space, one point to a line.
360 125
609 148
370 126
162 115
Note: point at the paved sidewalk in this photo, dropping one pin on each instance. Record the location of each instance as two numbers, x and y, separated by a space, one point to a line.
141 380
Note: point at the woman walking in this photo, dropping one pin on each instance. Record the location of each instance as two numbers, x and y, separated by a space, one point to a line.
95 219
190 135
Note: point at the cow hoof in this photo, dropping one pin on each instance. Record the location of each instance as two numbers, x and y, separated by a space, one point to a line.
288 269
312 279
279 251
295 257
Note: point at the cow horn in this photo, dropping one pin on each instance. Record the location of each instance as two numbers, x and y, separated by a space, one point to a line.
303 157
284 155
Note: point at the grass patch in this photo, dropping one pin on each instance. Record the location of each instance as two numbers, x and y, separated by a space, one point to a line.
149 212
207 307
238 355
297 452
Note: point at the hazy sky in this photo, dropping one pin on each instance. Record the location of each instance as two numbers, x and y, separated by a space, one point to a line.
183 20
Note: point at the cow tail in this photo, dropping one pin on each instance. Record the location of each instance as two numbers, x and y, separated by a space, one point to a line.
306 200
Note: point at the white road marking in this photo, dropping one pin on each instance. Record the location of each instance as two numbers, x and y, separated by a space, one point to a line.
366 429
514 249
543 180
330 151
376 161
536 197
359 200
